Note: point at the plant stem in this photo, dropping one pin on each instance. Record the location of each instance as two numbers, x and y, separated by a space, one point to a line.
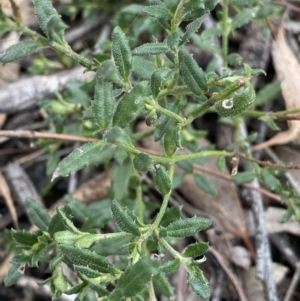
165 200
139 196
65 49
225 32
169 113
178 15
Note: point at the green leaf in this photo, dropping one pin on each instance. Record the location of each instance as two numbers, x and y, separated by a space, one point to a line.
143 162
86 258
108 72
80 157
158 79
120 178
199 283
268 93
66 237
55 261
142 68
162 180
270 122
158 12
103 105
13 275
173 40
66 221
37 214
187 227
243 17
191 29
236 103
87 271
270 181
113 246
49 20
119 137
287 215
244 177
221 163
195 9
191 73
171 215
130 105
195 250
76 289
134 279
170 266
60 281
150 49
24 238
18 51
162 284
123 220
122 53
205 184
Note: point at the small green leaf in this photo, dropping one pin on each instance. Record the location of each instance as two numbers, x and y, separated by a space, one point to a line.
66 237
103 105
191 29
158 79
86 258
236 103
134 279
199 283
187 227
87 271
243 177
120 178
66 221
243 17
108 72
37 214
287 215
49 20
142 68
13 275
143 162
162 284
173 40
195 9
122 53
55 261
205 184
113 246
130 105
60 281
158 12
195 250
76 289
221 163
170 266
18 51
171 215
191 73
268 93
270 181
80 157
119 137
150 49
162 180
24 238
123 220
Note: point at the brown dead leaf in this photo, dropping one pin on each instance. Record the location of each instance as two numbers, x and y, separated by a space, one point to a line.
9 201
288 72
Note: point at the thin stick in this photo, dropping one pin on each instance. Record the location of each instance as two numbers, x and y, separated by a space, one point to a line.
268 163
293 284
54 136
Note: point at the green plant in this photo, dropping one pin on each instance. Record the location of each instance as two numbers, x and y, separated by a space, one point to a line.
170 90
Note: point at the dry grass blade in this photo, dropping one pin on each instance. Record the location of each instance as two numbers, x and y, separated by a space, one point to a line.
8 200
288 72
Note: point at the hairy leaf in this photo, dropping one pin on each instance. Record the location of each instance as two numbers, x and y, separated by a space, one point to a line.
162 180
150 49
80 157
